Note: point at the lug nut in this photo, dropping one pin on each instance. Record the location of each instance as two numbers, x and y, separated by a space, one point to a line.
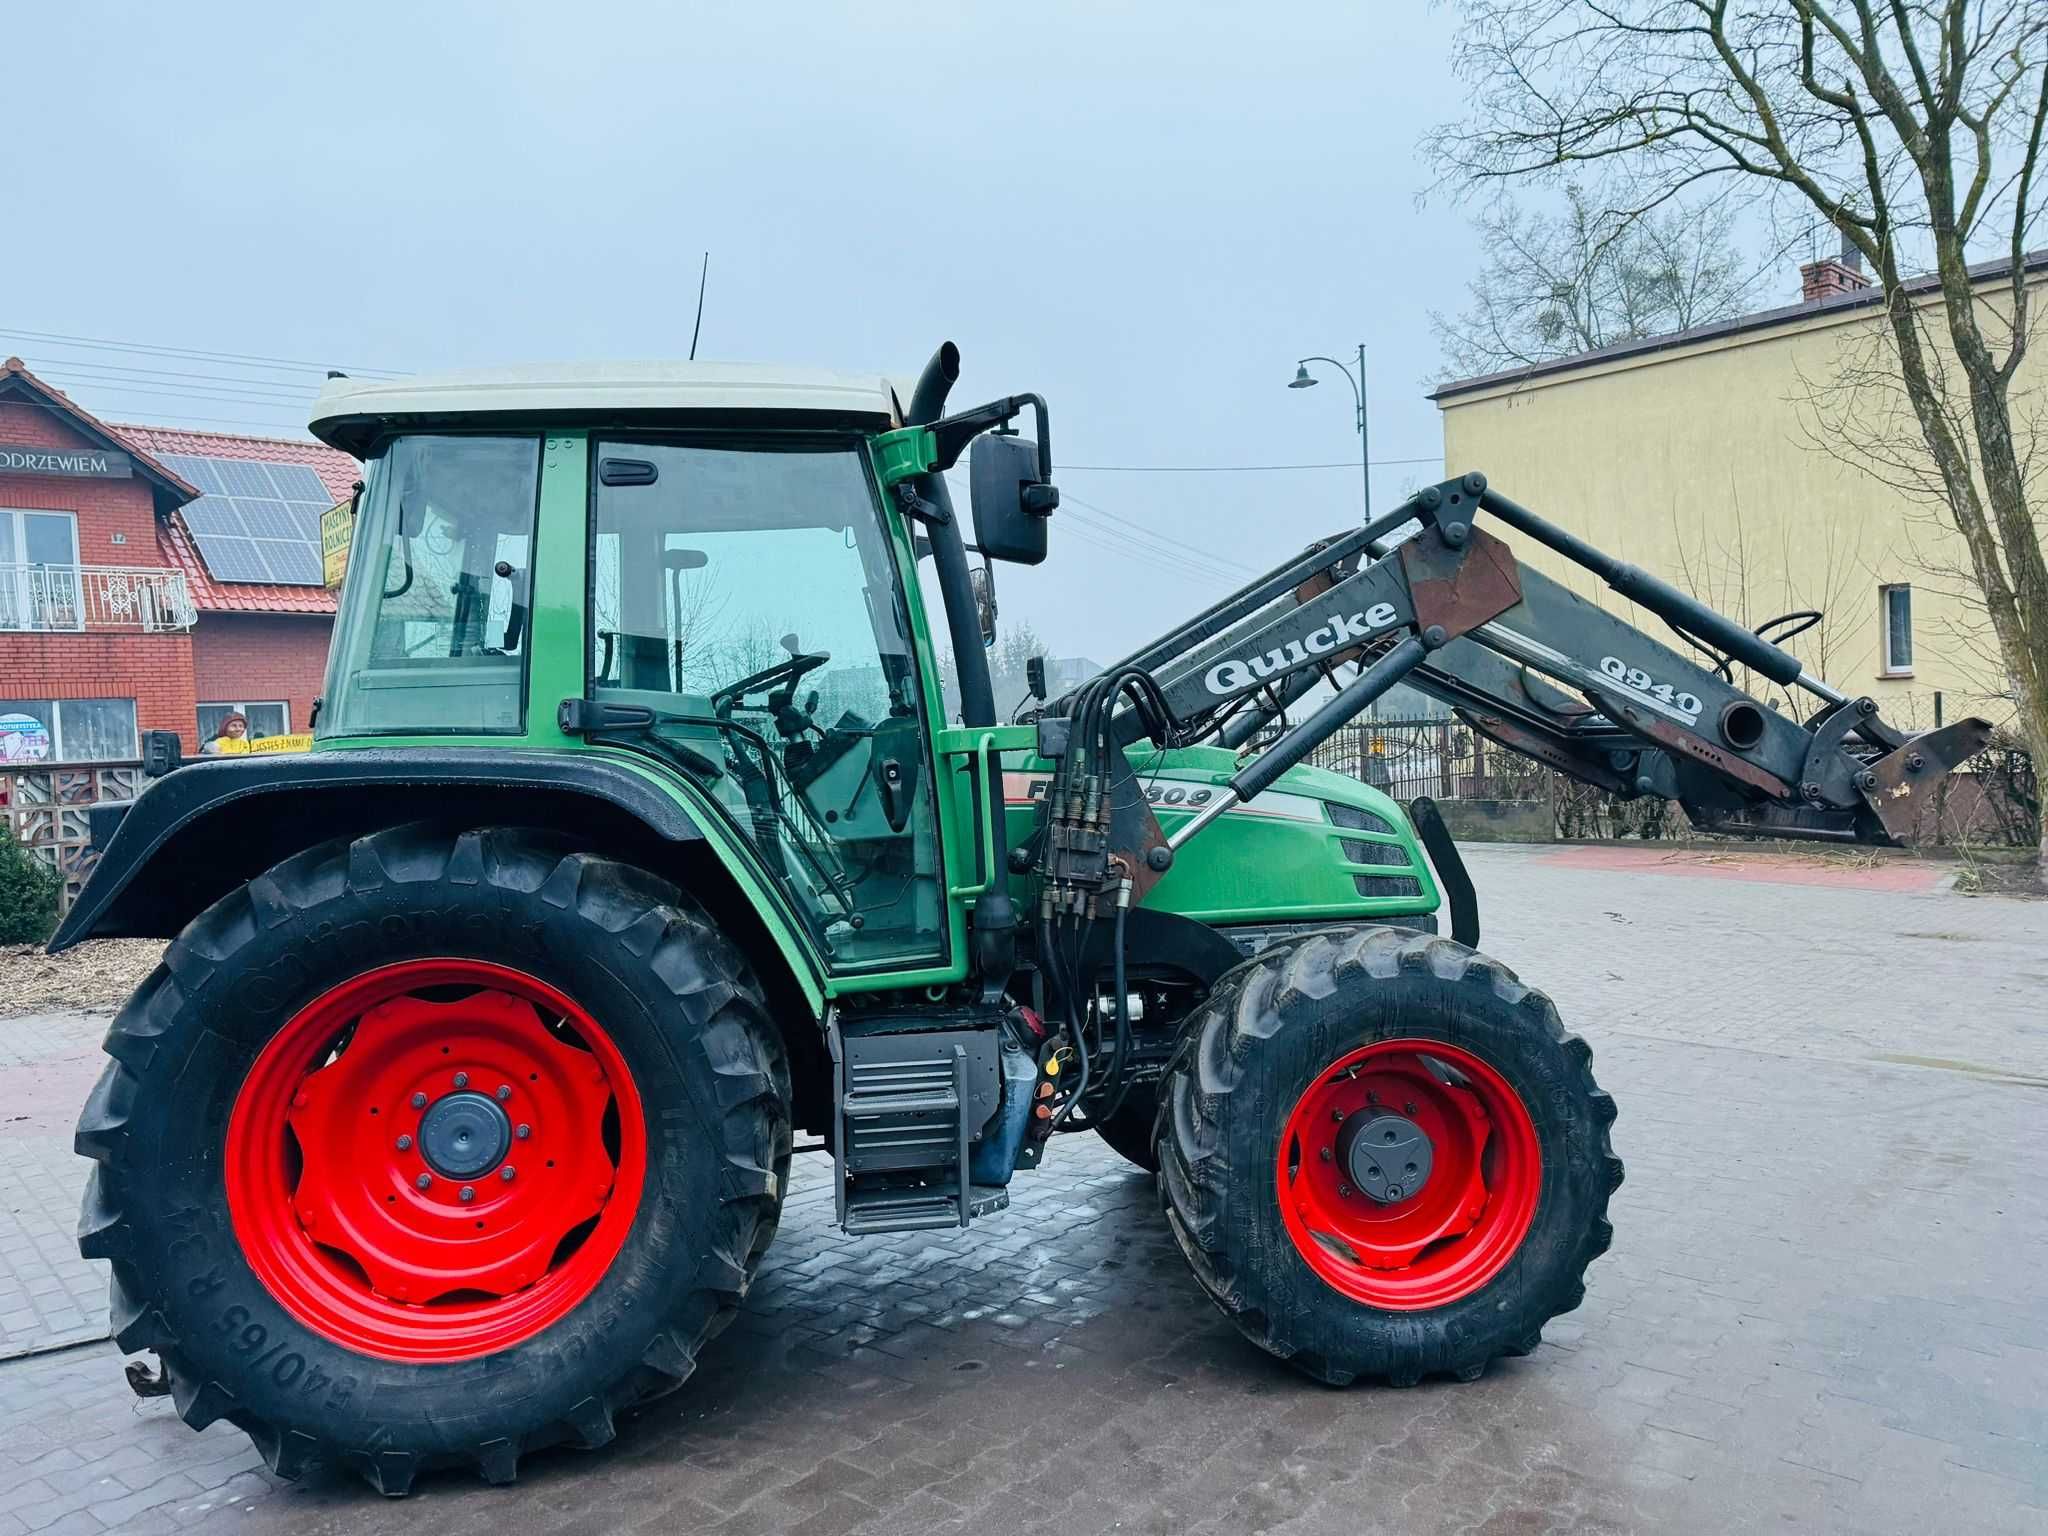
523 1132
462 1079
504 1092
424 1181
508 1173
1326 1155
1344 1190
1337 1116
1408 1108
405 1143
419 1101
466 1194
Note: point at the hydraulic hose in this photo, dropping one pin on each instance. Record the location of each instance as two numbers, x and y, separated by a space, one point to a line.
1121 1084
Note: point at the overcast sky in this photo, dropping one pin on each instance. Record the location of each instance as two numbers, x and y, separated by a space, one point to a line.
1146 213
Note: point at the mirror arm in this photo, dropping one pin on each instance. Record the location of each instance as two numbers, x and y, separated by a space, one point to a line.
954 433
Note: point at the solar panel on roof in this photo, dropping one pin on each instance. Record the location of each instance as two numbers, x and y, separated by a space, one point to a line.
196 471
259 521
295 482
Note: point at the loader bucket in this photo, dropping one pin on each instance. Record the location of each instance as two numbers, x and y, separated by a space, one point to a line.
1904 778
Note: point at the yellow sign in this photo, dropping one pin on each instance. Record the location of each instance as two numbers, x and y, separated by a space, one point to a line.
337 526
301 741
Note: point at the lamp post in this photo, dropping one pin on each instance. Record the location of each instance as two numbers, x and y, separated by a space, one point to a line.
1303 379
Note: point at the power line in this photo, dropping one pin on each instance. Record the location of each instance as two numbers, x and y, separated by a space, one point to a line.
1239 469
246 396
1161 550
1175 547
247 359
173 391
220 421
123 370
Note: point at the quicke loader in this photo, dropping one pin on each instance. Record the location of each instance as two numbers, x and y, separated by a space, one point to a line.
458 1116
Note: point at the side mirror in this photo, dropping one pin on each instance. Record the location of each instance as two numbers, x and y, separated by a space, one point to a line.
1011 498
162 753
983 579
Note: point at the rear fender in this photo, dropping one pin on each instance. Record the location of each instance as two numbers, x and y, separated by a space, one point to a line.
194 835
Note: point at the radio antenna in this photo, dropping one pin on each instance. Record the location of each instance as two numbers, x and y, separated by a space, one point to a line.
702 273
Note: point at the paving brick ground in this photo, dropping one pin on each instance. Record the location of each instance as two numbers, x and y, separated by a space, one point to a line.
48 1294
1826 1308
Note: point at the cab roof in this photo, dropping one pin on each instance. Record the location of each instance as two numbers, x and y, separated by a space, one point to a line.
351 414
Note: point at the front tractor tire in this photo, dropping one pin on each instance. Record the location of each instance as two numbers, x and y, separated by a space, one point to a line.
1384 1157
434 1148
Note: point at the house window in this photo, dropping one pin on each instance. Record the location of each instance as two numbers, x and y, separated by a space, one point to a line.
271 719
1897 614
34 731
39 578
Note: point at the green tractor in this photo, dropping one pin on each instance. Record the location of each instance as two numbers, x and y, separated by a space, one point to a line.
458 1117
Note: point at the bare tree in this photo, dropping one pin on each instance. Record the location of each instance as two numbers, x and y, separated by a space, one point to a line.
1912 127
1581 279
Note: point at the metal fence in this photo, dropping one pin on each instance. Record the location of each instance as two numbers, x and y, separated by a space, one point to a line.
1439 758
85 597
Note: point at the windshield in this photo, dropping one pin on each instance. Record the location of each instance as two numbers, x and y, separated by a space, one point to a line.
433 628
750 597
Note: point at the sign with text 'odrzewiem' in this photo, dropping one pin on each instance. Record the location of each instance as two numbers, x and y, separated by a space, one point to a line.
80 463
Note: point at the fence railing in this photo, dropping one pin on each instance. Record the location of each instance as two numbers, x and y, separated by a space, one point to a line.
1439 758
84 597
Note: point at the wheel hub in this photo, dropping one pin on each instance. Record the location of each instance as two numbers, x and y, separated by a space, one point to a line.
1388 1156
463 1135
1408 1173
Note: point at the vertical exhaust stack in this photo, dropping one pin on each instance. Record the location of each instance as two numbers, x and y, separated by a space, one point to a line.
995 916
949 550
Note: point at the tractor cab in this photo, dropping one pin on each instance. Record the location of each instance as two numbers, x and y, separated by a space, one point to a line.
709 571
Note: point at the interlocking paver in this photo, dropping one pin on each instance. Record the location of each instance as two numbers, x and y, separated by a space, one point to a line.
1827 1306
49 1296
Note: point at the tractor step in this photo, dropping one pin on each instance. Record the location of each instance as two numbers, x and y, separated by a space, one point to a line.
910 1210
912 1102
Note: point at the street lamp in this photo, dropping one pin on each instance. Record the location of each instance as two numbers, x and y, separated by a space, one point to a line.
1303 379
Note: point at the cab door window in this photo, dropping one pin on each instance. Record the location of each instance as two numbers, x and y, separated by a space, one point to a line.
749 599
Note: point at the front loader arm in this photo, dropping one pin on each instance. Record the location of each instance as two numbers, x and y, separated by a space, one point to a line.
1540 670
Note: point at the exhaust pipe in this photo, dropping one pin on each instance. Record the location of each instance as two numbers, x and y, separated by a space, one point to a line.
994 937
949 551
928 399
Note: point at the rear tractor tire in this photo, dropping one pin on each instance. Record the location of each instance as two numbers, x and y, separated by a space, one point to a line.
435 1148
1384 1157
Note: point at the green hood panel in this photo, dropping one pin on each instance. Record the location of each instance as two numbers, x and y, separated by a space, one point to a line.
1317 845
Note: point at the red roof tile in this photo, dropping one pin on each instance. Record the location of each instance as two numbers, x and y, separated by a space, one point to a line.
337 471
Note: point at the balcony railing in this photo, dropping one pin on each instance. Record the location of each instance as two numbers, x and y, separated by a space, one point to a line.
72 598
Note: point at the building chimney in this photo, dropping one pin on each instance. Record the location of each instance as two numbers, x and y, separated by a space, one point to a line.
1835 276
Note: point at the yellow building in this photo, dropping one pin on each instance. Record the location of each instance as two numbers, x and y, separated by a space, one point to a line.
1765 465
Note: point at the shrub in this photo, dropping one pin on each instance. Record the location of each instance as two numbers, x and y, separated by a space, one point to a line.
29 891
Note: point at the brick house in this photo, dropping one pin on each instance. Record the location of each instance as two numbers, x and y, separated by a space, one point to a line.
150 579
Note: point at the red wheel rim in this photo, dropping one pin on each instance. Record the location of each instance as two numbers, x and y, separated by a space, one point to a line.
1433 1239
415 1071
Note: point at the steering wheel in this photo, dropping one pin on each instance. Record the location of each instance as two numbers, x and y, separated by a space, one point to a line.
785 673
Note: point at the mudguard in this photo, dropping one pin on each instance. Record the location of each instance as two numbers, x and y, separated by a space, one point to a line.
194 834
